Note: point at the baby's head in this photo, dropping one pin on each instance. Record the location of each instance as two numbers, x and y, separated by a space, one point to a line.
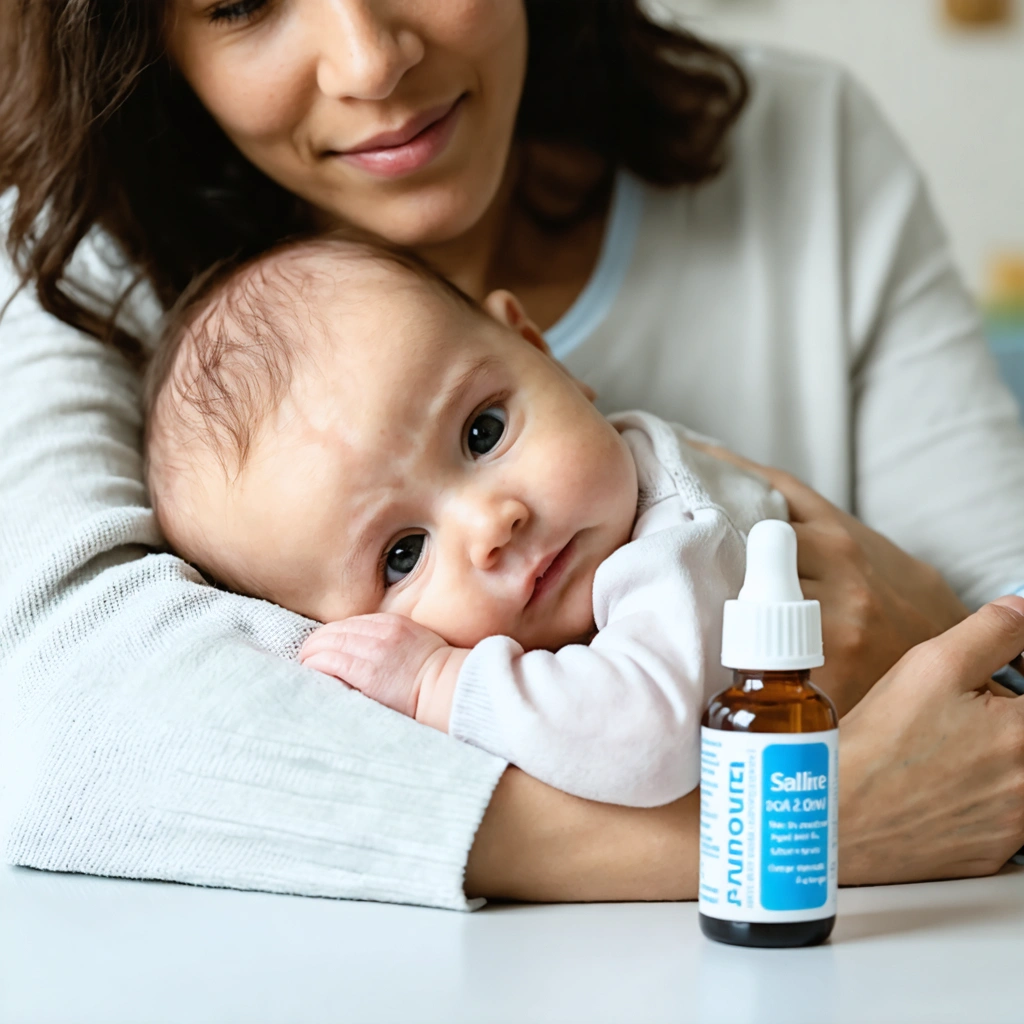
336 429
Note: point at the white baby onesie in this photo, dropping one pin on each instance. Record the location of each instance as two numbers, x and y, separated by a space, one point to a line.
618 720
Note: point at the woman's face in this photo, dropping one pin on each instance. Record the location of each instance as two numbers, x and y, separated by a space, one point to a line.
392 115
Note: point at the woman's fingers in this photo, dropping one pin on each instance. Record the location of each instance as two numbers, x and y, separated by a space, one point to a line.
965 656
878 602
804 502
934 775
826 549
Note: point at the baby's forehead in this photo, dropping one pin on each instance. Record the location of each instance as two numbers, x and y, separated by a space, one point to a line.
386 363
364 303
376 335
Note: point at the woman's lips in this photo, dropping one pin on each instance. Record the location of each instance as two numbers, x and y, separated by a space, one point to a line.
554 572
398 156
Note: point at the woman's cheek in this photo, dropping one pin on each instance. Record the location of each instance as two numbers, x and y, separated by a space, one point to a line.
477 27
490 38
256 85
260 103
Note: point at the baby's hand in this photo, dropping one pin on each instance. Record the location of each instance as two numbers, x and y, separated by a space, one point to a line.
391 659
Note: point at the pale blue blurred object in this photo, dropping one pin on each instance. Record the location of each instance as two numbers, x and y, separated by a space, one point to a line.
1007 341
1006 338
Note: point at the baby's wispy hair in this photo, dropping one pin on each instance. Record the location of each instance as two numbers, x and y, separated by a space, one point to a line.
224 358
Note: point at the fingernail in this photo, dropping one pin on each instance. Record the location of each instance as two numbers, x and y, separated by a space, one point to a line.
1014 603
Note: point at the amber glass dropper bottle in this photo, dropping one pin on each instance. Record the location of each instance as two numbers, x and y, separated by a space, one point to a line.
769 758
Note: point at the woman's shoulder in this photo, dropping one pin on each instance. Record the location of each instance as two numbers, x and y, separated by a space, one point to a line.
776 68
807 112
99 273
793 84
809 135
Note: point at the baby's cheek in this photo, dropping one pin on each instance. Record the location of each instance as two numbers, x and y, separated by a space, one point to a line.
576 620
461 618
334 606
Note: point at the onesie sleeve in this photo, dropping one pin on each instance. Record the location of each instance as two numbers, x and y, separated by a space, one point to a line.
618 720
939 447
152 726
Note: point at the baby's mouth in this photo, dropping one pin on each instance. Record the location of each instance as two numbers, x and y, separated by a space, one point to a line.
551 573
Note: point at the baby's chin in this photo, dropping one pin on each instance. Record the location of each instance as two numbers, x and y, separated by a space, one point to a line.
547 636
570 622
558 642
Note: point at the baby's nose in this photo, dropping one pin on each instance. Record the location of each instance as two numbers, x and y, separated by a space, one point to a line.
495 524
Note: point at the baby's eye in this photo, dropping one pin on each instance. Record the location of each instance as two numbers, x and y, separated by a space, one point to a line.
485 430
402 557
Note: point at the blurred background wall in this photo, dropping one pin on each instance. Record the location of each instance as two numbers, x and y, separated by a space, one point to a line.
956 94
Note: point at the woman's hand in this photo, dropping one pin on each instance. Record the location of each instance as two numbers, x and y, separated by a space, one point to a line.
932 764
931 785
876 600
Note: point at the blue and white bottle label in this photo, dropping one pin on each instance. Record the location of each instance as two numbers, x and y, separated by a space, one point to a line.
769 810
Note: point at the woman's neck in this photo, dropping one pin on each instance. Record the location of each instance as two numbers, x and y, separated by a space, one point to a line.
510 248
467 259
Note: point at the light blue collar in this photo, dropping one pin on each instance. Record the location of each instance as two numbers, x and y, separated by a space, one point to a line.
592 305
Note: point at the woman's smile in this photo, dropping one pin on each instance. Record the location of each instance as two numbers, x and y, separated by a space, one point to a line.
408 149
396 118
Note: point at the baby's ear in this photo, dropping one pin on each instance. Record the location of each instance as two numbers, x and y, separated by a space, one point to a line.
508 310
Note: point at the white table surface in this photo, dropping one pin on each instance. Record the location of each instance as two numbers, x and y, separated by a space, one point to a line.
81 950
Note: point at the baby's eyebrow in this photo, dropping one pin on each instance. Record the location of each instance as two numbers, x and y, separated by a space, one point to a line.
453 395
449 400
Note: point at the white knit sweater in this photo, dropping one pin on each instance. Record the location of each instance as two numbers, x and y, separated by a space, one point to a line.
802 307
155 727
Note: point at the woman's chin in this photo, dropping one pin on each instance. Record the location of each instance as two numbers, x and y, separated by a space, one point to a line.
431 215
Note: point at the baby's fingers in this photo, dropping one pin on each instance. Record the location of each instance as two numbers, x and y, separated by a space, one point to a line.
357 633
344 642
339 664
380 655
369 676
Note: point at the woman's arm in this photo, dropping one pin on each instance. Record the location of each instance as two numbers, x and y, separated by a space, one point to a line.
939 446
876 600
153 731
152 726
931 786
540 844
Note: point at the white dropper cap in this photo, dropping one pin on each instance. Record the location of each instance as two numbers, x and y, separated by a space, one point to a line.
770 627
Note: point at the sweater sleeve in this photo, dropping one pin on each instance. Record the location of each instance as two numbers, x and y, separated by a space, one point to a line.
618 720
152 726
939 444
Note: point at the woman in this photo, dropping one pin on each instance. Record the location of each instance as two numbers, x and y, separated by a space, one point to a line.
799 304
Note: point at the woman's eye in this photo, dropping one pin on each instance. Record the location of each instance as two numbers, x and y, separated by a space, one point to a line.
485 430
241 10
402 557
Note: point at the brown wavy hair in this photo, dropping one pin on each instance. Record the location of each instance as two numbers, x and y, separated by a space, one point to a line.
97 129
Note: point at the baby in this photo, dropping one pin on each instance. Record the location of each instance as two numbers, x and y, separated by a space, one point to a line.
335 428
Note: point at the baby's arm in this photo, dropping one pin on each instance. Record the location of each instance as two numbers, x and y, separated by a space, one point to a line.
616 721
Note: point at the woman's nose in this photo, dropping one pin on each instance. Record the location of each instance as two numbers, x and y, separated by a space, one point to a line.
490 526
364 50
